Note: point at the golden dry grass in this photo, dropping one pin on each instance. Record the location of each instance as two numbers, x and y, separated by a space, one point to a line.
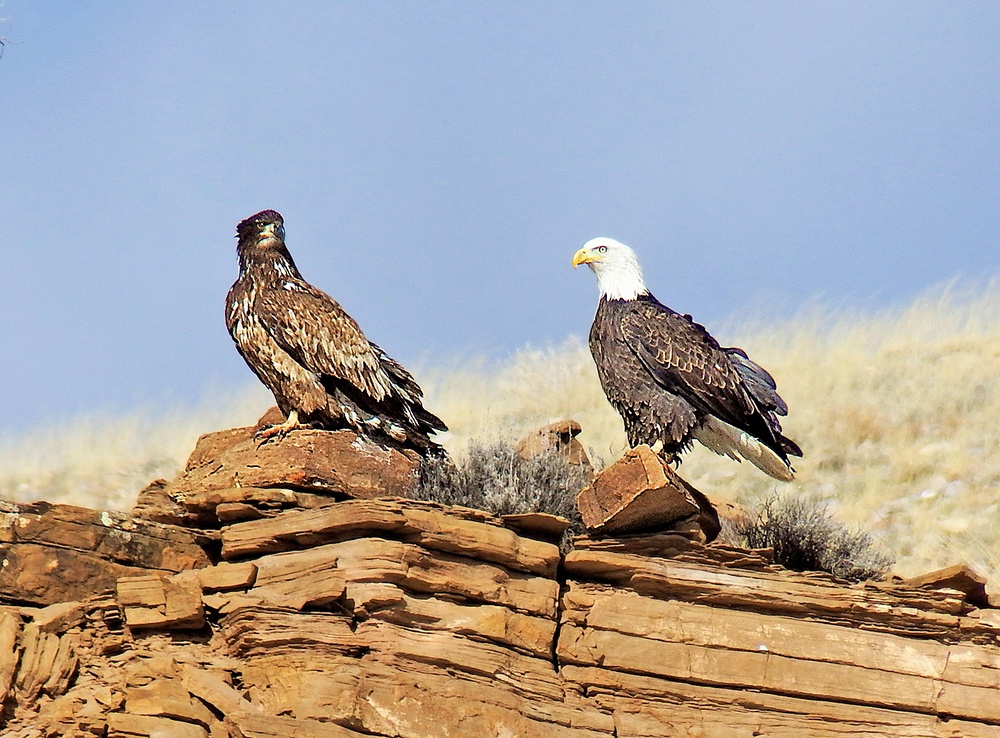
897 413
102 461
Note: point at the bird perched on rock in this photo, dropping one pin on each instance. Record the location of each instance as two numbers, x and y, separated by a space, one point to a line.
670 380
311 354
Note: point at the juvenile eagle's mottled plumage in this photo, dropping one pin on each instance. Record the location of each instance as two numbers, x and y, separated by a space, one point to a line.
670 380
310 353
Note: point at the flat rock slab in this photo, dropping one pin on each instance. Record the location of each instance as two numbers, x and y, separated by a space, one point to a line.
475 536
958 577
640 493
110 535
47 575
333 463
63 553
211 508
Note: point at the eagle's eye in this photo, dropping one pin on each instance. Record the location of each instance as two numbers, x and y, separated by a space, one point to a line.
602 248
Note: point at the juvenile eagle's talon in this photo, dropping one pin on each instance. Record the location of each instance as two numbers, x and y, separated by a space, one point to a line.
278 431
265 435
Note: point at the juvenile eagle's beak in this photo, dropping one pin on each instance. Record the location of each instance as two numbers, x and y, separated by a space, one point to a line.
583 256
272 230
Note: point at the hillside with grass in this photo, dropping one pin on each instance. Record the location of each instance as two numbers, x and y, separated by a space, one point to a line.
897 413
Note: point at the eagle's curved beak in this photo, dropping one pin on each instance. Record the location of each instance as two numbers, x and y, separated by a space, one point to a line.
272 230
583 256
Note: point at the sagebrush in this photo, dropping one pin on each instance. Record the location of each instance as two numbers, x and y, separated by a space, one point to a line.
805 537
492 476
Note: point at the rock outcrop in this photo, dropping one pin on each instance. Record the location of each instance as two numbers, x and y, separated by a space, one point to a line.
286 611
233 474
640 493
558 437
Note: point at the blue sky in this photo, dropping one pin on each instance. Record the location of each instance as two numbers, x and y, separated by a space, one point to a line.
438 163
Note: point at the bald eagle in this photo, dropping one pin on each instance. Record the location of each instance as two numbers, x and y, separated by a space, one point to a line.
311 354
670 380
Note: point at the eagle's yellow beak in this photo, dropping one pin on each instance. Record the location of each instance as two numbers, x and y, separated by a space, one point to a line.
583 256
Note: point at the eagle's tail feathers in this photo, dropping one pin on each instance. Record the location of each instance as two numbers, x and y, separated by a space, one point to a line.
726 440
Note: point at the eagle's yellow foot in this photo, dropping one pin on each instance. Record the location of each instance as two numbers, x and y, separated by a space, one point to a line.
279 431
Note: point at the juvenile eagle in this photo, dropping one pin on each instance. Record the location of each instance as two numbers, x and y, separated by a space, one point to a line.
670 380
311 354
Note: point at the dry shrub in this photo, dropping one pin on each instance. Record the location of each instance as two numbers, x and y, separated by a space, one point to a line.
493 477
805 537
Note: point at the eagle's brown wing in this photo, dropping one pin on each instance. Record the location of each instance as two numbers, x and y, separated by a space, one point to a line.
685 360
318 333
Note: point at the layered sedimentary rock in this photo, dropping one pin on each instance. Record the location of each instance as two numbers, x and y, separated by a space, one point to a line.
390 617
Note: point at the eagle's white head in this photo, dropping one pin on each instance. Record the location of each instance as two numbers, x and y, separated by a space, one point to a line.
619 276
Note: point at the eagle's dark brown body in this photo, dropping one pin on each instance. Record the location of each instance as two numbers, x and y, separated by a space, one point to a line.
311 354
666 376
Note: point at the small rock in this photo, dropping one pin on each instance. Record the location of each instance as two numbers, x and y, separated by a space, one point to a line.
640 493
559 437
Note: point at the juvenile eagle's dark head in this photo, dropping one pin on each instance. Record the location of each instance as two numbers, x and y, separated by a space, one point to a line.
263 229
261 244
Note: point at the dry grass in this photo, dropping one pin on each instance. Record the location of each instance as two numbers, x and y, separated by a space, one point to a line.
897 414
103 461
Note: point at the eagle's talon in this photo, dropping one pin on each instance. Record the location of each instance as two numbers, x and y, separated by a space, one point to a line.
278 432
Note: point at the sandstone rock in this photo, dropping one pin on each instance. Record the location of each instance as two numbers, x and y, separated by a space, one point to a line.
297 581
211 689
46 575
338 463
957 577
10 629
640 493
125 725
404 619
167 698
158 601
537 525
661 545
47 663
106 534
244 724
420 571
224 577
559 437
62 553
409 520
212 507
650 707
59 618
695 643
527 633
